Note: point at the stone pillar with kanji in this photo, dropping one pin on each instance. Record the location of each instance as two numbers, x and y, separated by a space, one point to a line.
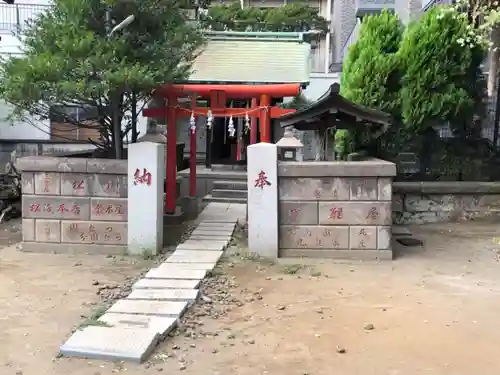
263 199
146 174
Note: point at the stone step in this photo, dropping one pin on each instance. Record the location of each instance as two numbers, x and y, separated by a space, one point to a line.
230 185
210 198
228 167
169 309
111 343
229 193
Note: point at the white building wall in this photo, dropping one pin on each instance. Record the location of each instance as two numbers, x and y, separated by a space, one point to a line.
319 84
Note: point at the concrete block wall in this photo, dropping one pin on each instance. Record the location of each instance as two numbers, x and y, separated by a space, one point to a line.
74 205
335 209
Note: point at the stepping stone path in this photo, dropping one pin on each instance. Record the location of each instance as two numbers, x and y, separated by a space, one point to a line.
132 327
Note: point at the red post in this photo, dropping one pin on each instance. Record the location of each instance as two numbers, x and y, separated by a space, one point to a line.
171 172
253 123
192 153
265 119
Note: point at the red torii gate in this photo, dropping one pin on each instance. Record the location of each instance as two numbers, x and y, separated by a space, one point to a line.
218 95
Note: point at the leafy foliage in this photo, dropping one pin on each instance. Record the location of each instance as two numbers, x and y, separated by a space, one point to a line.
440 80
371 75
299 101
70 60
291 17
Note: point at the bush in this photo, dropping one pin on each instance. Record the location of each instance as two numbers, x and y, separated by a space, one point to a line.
371 72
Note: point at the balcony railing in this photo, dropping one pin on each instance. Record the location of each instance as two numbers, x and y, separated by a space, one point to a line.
366 7
353 37
13 17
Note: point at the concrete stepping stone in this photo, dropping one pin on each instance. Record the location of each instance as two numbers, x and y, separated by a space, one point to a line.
188 266
161 325
111 343
187 295
194 256
215 225
211 244
166 284
169 309
207 239
176 273
217 237
201 245
209 233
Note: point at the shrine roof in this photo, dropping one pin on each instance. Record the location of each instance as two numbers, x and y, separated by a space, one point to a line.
332 104
253 57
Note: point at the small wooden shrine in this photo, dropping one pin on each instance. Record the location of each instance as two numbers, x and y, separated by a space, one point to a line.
331 112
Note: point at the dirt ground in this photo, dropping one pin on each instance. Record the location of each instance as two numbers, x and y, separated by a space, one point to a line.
434 310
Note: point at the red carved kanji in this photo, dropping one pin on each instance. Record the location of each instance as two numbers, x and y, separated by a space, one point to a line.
118 209
75 209
35 208
62 208
78 185
109 209
99 209
145 178
262 180
108 186
336 213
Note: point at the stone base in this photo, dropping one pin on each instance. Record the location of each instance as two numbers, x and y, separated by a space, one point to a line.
174 219
69 248
190 207
337 254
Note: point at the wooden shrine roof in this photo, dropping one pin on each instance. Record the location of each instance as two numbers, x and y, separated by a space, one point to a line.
331 110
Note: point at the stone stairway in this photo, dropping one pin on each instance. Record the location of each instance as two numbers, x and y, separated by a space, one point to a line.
230 187
133 326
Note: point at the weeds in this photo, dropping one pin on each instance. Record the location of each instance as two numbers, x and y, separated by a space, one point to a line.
93 318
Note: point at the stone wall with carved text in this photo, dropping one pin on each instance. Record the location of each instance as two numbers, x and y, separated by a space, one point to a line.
74 204
336 209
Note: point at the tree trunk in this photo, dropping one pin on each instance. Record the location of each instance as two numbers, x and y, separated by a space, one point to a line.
493 57
117 128
497 118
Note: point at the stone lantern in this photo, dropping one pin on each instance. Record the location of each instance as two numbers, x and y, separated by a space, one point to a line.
288 146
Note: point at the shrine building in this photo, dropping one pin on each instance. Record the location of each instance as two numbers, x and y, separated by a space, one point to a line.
230 101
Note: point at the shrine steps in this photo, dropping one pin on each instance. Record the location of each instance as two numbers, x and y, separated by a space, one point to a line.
228 191
209 198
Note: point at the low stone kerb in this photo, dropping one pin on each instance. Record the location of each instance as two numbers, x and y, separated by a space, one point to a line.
365 168
51 164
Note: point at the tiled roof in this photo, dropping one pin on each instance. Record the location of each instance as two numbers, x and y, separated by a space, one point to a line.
232 57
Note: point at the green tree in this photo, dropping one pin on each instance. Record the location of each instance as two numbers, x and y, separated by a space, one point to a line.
441 81
371 72
71 60
290 17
